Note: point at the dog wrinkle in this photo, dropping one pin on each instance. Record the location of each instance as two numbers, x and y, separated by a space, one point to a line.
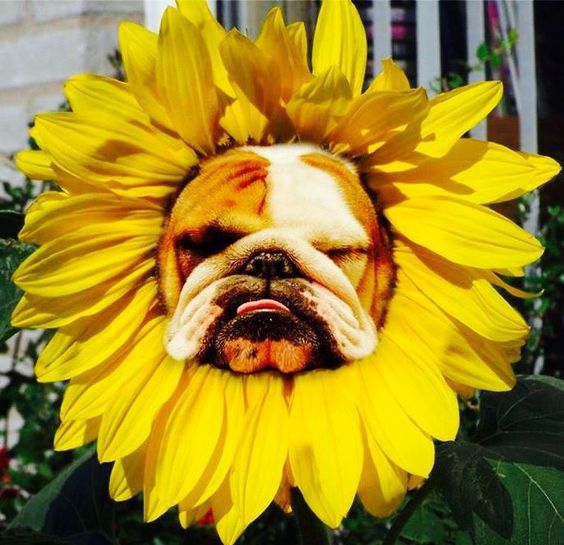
293 198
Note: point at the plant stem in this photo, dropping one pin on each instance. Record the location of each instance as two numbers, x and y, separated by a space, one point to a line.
401 520
312 530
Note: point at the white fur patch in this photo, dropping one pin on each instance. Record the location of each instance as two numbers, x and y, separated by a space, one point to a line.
307 208
307 201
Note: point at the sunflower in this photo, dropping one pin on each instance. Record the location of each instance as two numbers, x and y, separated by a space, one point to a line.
202 437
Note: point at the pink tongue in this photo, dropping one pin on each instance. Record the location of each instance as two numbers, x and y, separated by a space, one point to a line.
261 304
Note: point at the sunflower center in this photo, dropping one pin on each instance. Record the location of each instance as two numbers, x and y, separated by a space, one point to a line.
273 258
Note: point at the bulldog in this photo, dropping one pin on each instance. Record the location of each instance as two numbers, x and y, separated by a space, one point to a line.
274 258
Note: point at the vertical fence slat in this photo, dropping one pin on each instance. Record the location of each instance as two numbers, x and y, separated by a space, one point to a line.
528 136
508 55
527 76
475 36
381 15
428 42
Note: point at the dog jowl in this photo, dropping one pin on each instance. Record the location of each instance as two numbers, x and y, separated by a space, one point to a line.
274 258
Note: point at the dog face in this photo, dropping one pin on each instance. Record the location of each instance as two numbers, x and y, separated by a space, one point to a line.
274 258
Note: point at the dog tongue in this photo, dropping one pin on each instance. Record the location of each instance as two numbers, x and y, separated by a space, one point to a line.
261 304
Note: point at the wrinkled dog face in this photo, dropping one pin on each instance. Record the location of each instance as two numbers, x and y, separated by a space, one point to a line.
274 258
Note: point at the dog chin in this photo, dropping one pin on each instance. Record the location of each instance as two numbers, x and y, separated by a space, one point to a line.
248 324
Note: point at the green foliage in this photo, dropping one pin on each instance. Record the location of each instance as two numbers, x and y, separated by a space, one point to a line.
545 311
538 506
493 56
520 435
75 506
12 253
487 57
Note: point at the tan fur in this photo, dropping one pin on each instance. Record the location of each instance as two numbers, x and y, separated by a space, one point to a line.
227 194
286 357
378 274
234 196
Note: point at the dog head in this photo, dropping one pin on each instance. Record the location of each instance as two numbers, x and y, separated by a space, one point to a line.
274 258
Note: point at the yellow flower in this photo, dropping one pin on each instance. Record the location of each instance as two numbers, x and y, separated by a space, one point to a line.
204 437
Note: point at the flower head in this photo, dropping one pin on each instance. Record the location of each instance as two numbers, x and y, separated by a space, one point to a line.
176 187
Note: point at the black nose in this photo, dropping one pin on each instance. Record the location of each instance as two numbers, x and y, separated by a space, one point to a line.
270 265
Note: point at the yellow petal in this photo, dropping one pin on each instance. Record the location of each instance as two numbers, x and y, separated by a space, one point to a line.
243 121
461 292
516 292
126 478
463 391
185 82
385 419
191 435
126 423
517 272
60 269
93 93
414 379
298 34
546 168
340 40
256 80
55 214
450 115
87 343
138 47
479 172
460 354
153 506
98 146
35 165
228 521
263 448
326 452
72 434
222 458
187 517
53 312
392 78
464 233
373 118
199 14
383 484
275 39
316 108
89 394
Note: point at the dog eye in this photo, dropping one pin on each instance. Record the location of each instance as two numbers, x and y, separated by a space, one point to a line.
349 252
207 242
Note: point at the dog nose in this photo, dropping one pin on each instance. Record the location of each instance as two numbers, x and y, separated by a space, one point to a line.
270 265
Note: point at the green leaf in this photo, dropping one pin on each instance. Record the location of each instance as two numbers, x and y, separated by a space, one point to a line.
496 61
12 253
525 424
425 526
75 506
514 471
538 505
483 52
471 487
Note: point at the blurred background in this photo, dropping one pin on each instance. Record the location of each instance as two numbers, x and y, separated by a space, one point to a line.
441 44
